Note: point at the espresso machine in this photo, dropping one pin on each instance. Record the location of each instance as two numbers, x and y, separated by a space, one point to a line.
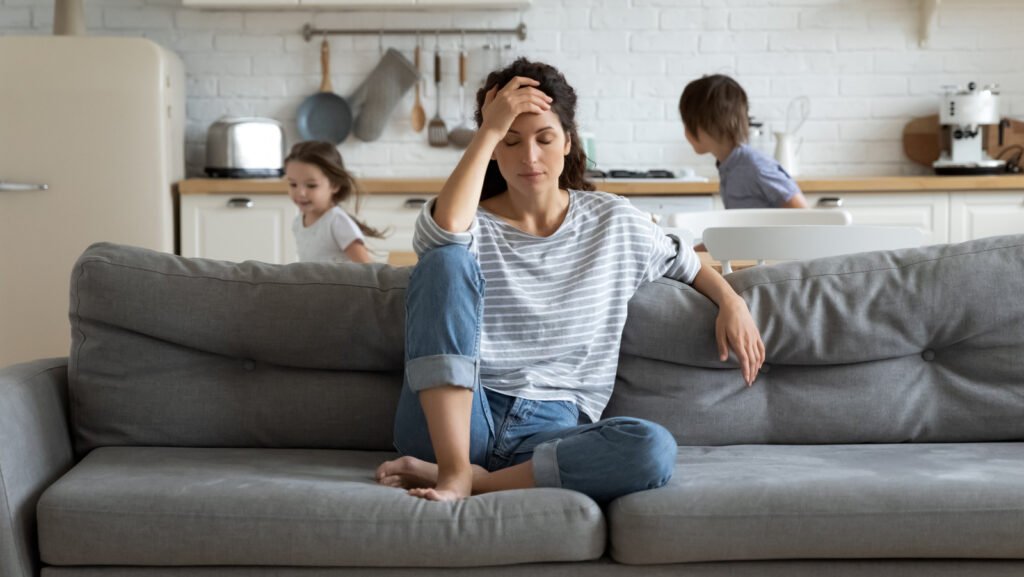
963 114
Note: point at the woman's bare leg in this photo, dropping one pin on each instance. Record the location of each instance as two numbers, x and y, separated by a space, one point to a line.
448 410
515 477
435 415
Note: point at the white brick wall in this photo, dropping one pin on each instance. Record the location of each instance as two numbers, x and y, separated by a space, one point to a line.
858 61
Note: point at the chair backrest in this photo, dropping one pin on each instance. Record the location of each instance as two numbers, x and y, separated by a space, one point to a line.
801 242
696 222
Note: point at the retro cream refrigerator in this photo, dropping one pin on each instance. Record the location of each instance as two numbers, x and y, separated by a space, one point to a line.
91 141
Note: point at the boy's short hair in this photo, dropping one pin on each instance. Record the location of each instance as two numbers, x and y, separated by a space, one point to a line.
717 105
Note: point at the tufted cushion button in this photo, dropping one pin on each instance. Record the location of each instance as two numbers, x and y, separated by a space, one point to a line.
765 368
928 355
249 365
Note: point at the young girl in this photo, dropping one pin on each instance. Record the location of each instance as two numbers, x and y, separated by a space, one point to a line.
317 184
516 308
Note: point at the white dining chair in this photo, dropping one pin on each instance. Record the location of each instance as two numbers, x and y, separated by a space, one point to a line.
689 226
800 242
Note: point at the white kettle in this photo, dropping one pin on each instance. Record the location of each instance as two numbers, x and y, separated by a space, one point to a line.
787 151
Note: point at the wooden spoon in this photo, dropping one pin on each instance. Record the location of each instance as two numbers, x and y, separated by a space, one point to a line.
462 135
419 116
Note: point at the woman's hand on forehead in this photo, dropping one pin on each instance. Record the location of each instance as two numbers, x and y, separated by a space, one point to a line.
519 96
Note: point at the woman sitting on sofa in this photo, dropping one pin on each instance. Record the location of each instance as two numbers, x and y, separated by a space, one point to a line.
516 308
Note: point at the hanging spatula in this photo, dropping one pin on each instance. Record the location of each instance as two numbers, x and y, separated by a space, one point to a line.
462 134
437 132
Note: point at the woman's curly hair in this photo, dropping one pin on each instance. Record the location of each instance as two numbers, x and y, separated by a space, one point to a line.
552 83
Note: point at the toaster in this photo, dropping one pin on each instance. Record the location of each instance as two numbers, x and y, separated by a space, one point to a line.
245 147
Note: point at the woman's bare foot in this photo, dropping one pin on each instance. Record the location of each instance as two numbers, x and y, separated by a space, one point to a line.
407 473
420 477
452 486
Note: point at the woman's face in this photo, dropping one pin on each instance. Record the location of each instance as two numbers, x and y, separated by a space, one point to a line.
532 154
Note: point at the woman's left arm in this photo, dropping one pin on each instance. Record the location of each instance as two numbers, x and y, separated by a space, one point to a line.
735 327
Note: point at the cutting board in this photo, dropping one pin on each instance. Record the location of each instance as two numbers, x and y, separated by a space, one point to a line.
922 139
1012 135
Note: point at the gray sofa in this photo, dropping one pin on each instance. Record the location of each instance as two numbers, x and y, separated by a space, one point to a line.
225 419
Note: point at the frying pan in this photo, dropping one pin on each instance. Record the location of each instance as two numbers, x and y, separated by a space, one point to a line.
325 115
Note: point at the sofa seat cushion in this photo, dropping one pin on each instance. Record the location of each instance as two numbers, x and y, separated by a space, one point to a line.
828 501
294 507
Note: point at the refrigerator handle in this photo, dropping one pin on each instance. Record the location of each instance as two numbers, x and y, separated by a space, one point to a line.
20 186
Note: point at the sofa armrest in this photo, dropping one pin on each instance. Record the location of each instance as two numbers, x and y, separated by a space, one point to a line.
35 449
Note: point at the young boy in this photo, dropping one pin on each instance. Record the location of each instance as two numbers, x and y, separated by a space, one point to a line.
714 111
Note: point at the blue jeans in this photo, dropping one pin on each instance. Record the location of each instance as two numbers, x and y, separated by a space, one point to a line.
444 311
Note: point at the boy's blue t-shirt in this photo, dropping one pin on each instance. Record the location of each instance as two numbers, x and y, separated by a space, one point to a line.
749 179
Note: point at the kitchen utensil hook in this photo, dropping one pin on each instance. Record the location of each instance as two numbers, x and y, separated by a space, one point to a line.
309 31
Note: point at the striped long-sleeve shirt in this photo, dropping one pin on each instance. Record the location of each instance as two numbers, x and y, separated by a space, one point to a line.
554 307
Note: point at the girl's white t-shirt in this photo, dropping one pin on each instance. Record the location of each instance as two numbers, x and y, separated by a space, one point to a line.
326 239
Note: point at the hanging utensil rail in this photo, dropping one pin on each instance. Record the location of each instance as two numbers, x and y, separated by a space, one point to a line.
309 32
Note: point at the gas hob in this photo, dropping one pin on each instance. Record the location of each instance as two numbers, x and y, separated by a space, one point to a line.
623 175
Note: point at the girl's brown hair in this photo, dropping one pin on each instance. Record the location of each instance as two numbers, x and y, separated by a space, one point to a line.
326 157
717 105
552 83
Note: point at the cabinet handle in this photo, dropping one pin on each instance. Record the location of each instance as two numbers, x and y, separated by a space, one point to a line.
829 202
240 203
6 186
414 203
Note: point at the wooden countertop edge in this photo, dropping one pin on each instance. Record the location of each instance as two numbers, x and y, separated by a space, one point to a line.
424 186
433 185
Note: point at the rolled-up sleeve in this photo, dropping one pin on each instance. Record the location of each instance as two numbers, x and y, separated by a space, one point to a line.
670 257
429 235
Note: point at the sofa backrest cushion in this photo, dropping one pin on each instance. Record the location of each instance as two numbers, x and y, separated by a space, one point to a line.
912 345
192 352
922 344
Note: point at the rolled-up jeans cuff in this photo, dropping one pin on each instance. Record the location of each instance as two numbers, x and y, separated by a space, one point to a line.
439 370
545 465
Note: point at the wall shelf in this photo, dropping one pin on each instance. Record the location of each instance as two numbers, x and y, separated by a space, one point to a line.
358 4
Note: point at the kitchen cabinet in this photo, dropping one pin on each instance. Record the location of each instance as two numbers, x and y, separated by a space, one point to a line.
949 209
395 214
980 214
927 211
238 227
